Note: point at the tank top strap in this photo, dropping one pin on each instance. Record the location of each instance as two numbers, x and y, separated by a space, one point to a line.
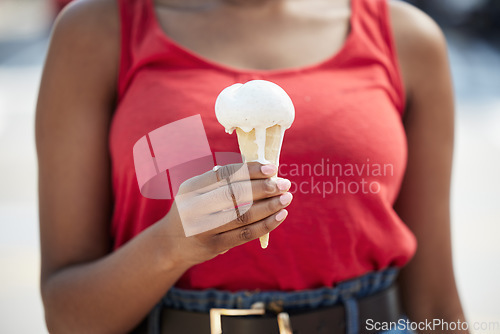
139 42
372 21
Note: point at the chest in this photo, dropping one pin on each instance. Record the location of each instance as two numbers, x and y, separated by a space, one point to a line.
252 39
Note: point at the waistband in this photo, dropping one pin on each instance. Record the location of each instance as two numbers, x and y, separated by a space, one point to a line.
204 300
345 293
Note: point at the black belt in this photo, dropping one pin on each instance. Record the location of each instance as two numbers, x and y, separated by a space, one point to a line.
383 306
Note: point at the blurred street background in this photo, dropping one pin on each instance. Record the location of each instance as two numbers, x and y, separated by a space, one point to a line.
472 28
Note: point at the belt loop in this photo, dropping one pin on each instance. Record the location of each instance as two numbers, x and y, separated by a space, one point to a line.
351 315
154 319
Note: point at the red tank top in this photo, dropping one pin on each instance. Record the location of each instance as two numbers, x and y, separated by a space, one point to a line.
345 153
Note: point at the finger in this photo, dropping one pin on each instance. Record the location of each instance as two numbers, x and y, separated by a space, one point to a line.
252 213
194 221
240 193
226 240
265 188
235 172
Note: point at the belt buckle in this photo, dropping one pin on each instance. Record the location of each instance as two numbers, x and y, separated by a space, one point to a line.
216 314
284 324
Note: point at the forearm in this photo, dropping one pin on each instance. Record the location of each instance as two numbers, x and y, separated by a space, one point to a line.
448 319
112 294
441 322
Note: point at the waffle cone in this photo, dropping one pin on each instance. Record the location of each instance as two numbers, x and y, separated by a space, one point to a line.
249 151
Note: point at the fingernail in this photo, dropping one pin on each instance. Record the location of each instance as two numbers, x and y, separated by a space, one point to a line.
283 184
269 169
286 198
281 215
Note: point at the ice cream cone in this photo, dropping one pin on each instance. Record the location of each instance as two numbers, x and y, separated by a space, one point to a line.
271 153
260 111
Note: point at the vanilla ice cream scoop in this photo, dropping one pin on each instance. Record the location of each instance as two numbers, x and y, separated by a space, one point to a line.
255 104
260 111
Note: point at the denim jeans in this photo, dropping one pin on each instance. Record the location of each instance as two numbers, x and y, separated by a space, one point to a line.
344 293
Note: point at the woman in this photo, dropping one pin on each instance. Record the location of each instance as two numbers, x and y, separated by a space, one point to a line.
371 86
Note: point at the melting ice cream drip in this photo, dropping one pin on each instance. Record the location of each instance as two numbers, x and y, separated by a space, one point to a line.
260 141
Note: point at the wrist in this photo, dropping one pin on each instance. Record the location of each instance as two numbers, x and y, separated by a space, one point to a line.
169 247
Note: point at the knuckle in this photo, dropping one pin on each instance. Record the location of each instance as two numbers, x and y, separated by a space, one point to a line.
183 187
244 218
273 205
268 187
266 227
238 191
246 234
214 243
227 194
226 171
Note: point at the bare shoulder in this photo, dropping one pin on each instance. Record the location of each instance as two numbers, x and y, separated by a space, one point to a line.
88 17
420 43
87 33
